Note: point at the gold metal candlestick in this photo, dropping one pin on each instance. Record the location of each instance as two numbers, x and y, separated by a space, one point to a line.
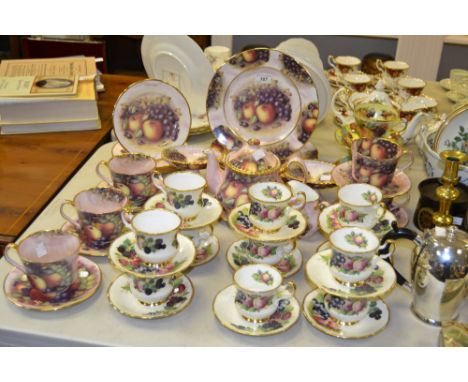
447 193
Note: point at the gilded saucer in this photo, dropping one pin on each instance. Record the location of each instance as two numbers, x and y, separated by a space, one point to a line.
18 290
328 221
380 283
123 256
399 185
239 221
212 210
316 313
227 314
206 251
289 265
123 301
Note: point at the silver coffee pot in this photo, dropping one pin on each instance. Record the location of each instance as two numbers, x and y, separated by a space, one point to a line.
438 271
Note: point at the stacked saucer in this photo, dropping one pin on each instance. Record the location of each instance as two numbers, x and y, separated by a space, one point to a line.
270 226
351 279
152 257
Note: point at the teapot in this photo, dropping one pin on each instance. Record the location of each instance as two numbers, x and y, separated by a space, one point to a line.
250 164
438 271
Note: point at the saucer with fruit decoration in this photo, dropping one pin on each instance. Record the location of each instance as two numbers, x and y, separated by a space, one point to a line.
315 311
18 290
210 214
124 302
150 115
328 221
381 281
289 264
123 256
225 311
206 244
240 222
266 95
399 185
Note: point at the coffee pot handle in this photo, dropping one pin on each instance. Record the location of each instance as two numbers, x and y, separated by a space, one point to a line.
386 242
6 254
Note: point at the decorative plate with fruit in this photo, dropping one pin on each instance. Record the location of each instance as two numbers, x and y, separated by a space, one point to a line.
151 115
20 292
266 95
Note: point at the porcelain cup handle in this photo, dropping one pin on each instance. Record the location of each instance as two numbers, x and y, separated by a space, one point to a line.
6 255
101 174
287 289
127 216
380 66
298 201
381 211
68 218
333 104
158 182
410 160
331 61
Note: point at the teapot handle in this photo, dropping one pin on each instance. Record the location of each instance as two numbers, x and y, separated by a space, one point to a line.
390 237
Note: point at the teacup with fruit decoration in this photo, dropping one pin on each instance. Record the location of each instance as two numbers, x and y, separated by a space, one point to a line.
360 205
183 191
411 86
99 215
374 161
353 254
259 289
151 291
377 118
132 174
271 204
344 64
49 259
155 232
268 253
346 311
358 82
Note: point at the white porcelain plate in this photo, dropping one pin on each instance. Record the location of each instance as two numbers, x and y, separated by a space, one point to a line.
266 95
179 61
151 115
453 134
227 314
123 256
210 214
289 265
123 301
381 281
316 313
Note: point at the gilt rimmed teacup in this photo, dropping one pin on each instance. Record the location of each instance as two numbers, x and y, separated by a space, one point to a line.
99 215
268 253
133 174
360 205
155 231
271 204
353 254
259 289
183 191
394 69
346 311
151 291
358 82
344 64
411 86
49 259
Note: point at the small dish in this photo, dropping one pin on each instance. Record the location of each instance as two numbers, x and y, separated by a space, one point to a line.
123 256
17 289
240 222
123 301
289 265
225 311
151 115
315 311
379 284
400 184
318 173
212 210
328 221
446 83
455 97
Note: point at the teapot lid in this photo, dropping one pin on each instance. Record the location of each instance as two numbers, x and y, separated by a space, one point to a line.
449 239
252 159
